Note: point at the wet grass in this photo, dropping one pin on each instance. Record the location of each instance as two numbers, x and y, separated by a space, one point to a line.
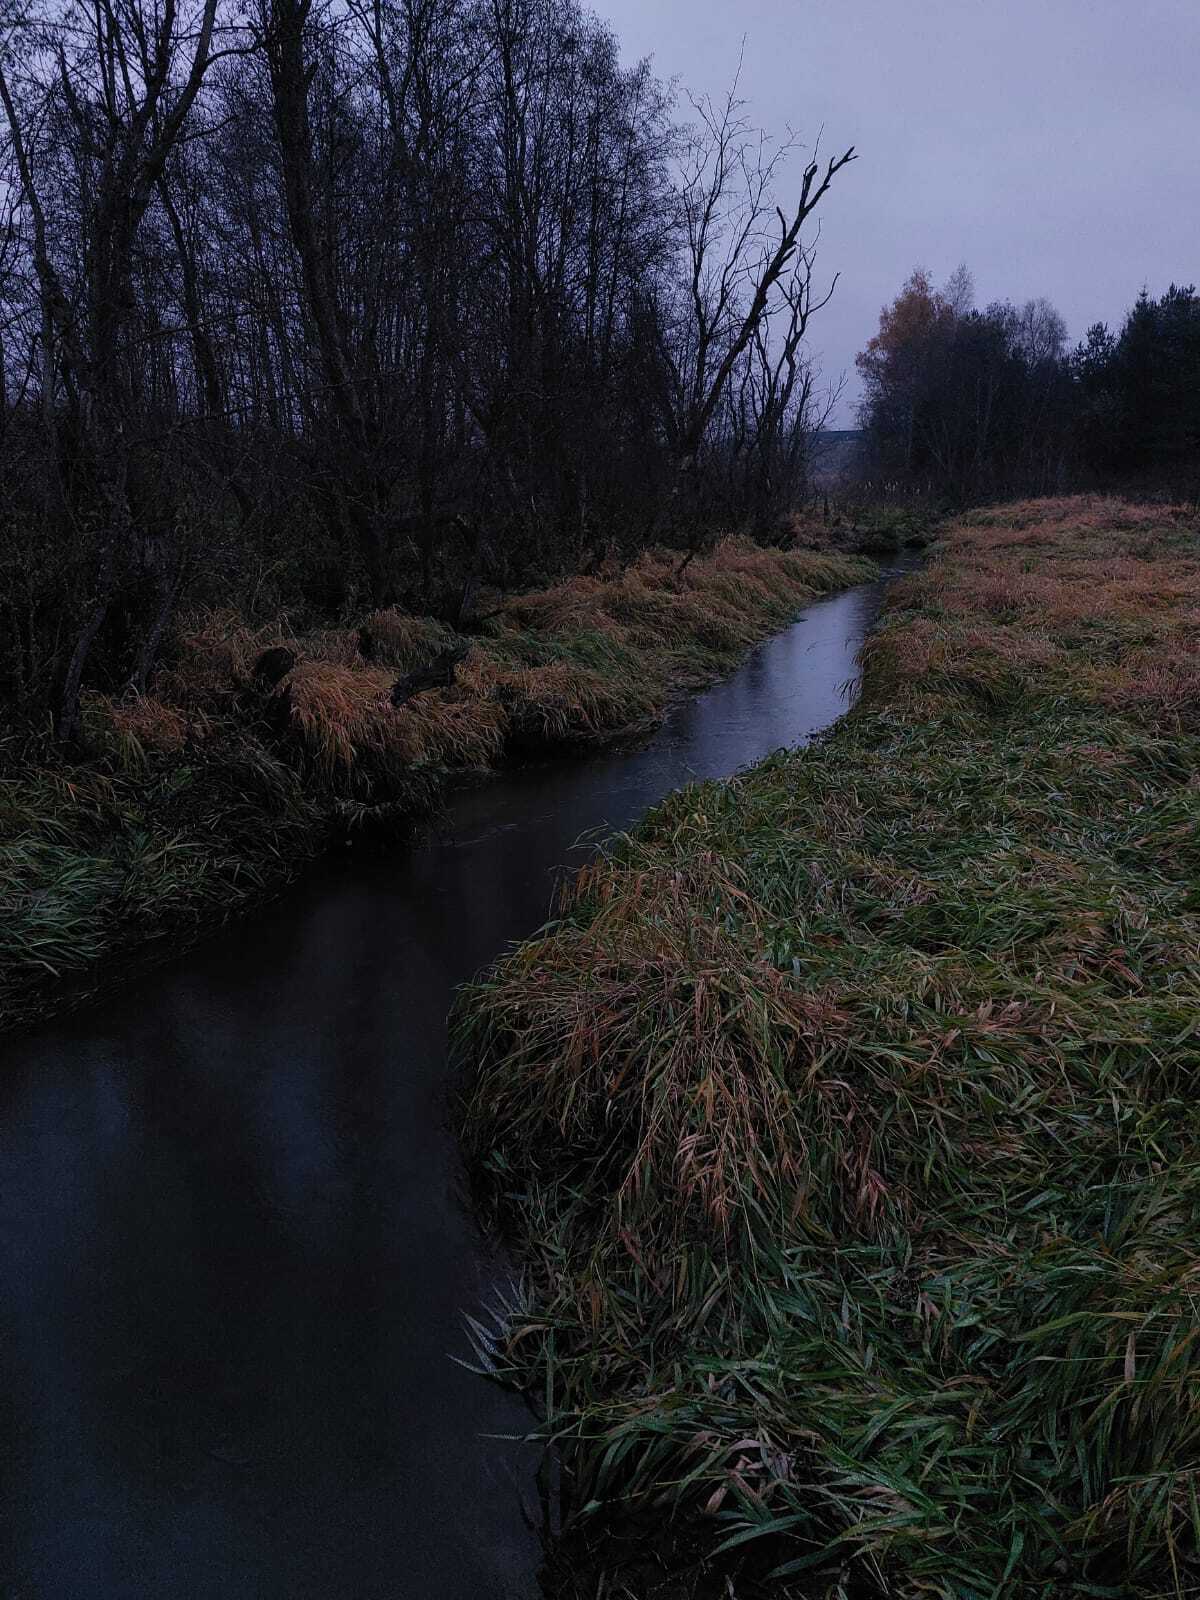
100 860
845 1115
207 794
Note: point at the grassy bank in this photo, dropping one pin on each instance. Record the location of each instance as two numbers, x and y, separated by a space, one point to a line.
258 743
847 1123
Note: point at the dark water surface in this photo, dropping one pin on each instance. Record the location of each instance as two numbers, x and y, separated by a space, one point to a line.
234 1258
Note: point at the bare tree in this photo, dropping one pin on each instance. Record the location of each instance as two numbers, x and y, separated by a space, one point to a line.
113 73
739 247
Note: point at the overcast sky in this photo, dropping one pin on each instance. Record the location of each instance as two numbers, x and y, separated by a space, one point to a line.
1052 145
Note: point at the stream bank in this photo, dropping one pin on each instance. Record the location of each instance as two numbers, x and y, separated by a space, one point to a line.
261 744
844 1116
235 1252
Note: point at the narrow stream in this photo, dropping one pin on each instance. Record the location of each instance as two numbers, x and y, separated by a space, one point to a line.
234 1257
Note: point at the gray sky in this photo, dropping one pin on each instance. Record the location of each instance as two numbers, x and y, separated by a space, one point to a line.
1052 145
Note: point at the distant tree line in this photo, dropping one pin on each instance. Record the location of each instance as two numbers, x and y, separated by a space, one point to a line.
1138 393
364 302
972 404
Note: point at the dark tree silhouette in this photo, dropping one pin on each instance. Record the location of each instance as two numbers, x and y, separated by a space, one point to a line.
331 304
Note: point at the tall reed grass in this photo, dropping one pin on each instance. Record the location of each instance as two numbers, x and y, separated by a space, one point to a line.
844 1116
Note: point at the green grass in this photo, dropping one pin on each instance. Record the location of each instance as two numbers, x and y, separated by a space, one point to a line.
878 529
97 861
845 1117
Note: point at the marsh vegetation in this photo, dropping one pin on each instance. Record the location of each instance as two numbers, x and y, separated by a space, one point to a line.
843 1117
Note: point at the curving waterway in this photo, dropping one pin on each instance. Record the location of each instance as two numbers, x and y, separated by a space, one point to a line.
234 1253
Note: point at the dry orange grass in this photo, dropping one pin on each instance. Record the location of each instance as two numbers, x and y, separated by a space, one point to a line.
581 659
451 729
1095 597
402 641
1063 517
143 723
1162 684
720 599
345 716
214 652
554 701
710 1123
340 712
566 607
